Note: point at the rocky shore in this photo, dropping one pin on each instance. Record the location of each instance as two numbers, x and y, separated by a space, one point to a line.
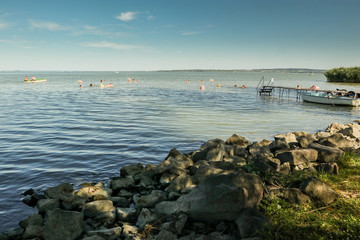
211 193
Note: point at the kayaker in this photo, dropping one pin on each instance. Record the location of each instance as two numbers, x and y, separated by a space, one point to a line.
33 78
26 79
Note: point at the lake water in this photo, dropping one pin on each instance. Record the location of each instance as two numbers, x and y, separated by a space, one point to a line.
57 132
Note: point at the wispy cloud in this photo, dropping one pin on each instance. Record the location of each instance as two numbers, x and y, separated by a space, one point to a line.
127 16
51 26
3 25
92 30
189 33
111 45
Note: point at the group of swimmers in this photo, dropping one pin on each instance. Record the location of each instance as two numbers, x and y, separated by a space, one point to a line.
101 84
32 78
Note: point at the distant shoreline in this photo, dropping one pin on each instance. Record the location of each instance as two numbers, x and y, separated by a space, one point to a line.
279 70
276 70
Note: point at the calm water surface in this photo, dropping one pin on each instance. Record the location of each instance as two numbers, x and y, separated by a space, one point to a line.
57 132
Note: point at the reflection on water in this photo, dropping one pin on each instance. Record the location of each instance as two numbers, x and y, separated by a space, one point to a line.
58 132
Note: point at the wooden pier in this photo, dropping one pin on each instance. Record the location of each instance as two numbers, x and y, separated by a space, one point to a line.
269 90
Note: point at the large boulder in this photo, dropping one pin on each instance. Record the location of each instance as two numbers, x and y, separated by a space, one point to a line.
179 183
327 154
205 171
47 205
238 141
300 157
218 198
257 150
340 141
63 191
131 169
335 127
249 222
96 192
290 195
108 234
150 200
61 225
175 165
319 190
215 150
92 209
352 130
288 138
117 184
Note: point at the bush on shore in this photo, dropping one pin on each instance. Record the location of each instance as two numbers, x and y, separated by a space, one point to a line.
349 75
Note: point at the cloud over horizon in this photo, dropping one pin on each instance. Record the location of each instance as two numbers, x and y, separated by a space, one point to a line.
127 16
111 45
51 26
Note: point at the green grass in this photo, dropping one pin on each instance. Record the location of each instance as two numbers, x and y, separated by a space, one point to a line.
339 220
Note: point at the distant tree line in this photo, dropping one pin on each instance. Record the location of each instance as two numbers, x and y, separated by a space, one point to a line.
349 75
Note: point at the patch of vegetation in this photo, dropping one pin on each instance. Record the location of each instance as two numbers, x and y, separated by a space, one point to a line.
349 75
339 220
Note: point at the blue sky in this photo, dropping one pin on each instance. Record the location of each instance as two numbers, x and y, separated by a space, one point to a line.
121 35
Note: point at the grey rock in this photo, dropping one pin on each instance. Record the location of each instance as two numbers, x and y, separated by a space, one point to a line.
63 225
290 195
96 192
166 235
94 237
131 169
250 221
175 226
327 154
92 209
105 218
284 168
256 150
238 141
288 138
62 192
32 231
145 217
174 165
298 156
319 190
217 198
73 203
14 233
167 177
179 183
278 145
339 140
241 152
352 130
33 219
107 234
130 232
335 127
205 171
122 183
149 201
126 214
47 205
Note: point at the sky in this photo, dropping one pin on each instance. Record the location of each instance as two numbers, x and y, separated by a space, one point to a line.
147 35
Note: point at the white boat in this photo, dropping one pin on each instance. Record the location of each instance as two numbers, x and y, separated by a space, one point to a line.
349 99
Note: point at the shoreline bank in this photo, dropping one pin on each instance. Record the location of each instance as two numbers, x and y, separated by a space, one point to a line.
213 192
